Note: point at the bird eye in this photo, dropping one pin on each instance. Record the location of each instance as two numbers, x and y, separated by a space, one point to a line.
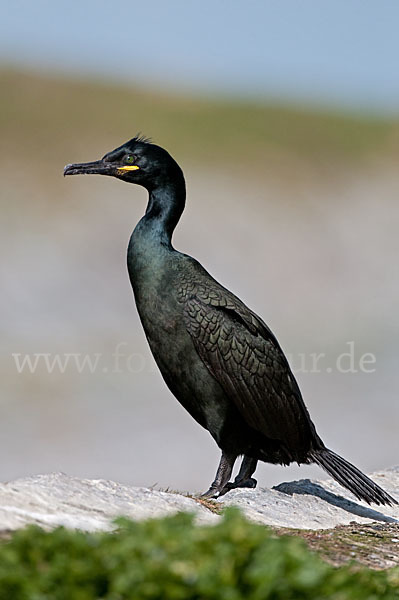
129 159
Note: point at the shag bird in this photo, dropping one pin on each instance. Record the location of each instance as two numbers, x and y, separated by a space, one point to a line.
218 358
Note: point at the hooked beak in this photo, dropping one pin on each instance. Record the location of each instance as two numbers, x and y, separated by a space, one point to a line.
98 167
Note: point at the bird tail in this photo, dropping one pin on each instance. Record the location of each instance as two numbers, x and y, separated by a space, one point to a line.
351 478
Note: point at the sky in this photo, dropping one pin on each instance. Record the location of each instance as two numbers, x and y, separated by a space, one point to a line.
333 52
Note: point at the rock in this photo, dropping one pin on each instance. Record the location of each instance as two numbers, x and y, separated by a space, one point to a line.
56 499
89 504
309 504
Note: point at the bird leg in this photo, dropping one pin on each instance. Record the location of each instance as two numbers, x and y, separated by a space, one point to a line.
243 479
222 475
247 469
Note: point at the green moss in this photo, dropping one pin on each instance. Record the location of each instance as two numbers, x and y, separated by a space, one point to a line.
172 558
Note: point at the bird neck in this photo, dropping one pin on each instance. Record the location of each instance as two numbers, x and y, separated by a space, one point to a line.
165 206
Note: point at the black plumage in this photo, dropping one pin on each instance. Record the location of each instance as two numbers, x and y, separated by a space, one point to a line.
218 358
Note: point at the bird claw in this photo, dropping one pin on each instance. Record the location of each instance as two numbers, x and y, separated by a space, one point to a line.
211 493
251 482
214 492
246 483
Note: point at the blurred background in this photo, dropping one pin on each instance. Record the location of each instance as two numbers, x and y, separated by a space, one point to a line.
285 119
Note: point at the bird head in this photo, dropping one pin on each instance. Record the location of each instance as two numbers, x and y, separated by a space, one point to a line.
138 161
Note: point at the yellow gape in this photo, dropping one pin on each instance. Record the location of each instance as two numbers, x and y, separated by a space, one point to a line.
128 168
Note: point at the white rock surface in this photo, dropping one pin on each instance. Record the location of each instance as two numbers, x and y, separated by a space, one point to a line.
309 504
89 504
56 499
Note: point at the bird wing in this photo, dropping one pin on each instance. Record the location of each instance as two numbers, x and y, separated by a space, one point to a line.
244 356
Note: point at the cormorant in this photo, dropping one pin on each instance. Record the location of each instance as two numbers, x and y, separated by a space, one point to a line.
218 358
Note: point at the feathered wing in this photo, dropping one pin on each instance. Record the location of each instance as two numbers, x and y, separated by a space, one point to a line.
244 356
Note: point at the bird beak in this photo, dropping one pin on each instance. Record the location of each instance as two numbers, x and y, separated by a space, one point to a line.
98 167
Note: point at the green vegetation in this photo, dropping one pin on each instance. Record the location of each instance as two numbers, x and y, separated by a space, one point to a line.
50 118
172 558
